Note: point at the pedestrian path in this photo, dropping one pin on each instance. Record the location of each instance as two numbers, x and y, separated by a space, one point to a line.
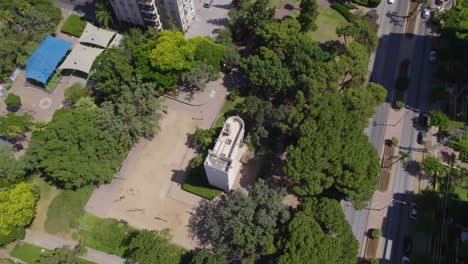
53 242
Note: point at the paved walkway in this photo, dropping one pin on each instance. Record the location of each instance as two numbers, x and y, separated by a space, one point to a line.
53 242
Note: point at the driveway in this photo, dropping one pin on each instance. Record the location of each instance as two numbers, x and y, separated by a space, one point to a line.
82 7
208 21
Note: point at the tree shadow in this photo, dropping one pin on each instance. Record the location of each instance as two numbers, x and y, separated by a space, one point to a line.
218 21
196 225
189 141
227 6
178 176
232 80
412 167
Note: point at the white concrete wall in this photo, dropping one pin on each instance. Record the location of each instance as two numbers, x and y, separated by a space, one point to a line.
217 178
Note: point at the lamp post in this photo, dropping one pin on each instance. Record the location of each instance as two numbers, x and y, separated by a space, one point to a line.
392 202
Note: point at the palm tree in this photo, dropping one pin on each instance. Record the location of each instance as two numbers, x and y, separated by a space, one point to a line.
104 13
40 126
85 103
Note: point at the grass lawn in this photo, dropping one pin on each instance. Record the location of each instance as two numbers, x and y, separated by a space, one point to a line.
281 3
461 192
65 210
6 261
327 21
455 124
74 25
105 235
228 106
50 86
197 183
27 252
30 253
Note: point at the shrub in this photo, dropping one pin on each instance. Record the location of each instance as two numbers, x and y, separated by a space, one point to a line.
343 11
16 234
361 2
74 25
394 141
13 102
349 6
399 104
373 3
75 92
376 234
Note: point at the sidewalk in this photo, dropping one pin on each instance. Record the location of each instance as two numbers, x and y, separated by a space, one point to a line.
53 242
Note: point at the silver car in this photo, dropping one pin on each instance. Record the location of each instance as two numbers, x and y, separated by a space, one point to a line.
426 13
413 211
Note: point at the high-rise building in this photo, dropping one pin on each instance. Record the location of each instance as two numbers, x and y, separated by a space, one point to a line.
139 12
223 161
152 12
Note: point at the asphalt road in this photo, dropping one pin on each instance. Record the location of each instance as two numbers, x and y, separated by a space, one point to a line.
394 47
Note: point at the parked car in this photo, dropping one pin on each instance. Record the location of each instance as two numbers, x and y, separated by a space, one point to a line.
405 260
407 245
413 211
433 56
391 1
207 3
423 119
426 13
422 136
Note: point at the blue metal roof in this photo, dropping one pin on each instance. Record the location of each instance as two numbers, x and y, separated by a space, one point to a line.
45 58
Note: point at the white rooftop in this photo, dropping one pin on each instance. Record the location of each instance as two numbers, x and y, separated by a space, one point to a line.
117 41
97 36
81 58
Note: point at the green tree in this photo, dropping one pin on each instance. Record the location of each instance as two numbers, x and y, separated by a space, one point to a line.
112 69
353 64
74 152
432 165
104 13
17 207
134 114
249 17
207 51
63 255
153 248
205 257
265 73
244 226
363 101
331 151
173 52
198 76
13 125
308 15
10 167
75 92
319 233
231 57
439 119
204 138
13 102
261 117
376 233
360 30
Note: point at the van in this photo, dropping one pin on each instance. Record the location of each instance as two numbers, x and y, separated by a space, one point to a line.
207 3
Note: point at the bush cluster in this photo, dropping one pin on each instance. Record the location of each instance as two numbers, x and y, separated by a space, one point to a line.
343 10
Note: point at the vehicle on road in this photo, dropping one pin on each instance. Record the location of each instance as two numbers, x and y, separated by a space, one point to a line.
407 245
207 3
433 56
405 260
426 13
413 211
391 1
422 136
423 120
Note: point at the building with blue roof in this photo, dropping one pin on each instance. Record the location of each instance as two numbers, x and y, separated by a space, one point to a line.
45 58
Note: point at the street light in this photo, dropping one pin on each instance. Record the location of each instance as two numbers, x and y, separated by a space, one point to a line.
392 202
374 123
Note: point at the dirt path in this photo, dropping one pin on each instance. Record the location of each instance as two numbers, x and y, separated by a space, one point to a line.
48 193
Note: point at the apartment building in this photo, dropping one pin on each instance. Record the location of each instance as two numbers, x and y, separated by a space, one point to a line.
155 13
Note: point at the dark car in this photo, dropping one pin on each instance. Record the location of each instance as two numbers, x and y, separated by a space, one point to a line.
423 119
422 136
207 3
407 245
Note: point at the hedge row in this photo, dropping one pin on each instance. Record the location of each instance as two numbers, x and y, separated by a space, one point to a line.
350 6
343 11
368 3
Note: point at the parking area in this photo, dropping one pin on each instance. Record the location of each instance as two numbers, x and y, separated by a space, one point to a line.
208 21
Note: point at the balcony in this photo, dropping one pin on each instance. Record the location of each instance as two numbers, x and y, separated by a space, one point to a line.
148 10
146 2
149 17
152 23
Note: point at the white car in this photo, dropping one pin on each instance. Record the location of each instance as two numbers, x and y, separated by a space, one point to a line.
391 1
426 13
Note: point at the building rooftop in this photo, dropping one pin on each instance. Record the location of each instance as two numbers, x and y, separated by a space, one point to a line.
228 141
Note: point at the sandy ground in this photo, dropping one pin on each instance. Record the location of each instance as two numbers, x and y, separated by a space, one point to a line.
152 180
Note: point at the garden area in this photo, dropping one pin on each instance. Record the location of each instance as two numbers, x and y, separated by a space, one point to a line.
327 21
30 254
74 25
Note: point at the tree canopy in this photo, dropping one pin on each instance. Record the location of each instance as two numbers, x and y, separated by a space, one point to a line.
319 233
17 207
72 151
173 52
10 167
308 15
242 225
63 255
